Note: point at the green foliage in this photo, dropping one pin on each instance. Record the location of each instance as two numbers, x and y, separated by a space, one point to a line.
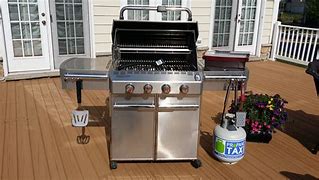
290 18
312 13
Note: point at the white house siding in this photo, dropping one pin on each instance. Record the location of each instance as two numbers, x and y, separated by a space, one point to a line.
104 11
267 26
201 10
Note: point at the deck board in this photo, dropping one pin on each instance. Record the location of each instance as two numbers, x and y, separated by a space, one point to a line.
25 167
3 109
38 153
10 153
37 140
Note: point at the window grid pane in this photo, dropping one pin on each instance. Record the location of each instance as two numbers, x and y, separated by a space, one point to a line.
247 25
222 22
25 28
138 14
172 15
69 15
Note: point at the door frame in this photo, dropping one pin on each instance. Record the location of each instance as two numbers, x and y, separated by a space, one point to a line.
49 39
4 9
237 30
3 50
58 59
259 30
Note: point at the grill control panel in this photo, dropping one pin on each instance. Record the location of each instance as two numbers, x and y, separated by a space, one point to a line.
166 83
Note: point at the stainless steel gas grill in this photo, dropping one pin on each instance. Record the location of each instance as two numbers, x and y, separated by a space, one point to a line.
155 88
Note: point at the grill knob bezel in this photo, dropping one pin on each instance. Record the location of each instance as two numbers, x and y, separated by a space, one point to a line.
184 89
129 89
166 89
148 88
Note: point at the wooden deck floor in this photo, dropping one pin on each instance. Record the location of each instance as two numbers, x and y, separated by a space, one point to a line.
37 140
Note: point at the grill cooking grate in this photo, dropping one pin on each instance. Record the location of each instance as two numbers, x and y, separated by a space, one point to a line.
152 45
154 62
151 65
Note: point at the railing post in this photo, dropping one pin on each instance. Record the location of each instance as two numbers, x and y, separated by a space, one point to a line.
275 40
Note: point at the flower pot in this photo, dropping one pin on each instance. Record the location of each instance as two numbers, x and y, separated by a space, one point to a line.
261 137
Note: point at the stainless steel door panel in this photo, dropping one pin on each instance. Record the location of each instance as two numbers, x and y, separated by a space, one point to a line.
177 136
132 134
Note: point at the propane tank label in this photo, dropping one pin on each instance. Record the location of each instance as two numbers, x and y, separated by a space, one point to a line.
229 148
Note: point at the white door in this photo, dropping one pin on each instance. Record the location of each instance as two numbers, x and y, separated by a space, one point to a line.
26 34
70 29
225 12
248 22
235 25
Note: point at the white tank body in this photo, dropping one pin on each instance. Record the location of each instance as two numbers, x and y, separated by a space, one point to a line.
229 146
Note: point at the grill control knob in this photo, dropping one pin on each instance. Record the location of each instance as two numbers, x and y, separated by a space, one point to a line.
129 89
148 89
166 89
184 89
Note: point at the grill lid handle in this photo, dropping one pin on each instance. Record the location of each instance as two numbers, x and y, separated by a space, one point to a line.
158 9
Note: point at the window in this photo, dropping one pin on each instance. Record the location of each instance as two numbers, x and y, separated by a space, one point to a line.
70 27
153 15
137 14
172 15
222 22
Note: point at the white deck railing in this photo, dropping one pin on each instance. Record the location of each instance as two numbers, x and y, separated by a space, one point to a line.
295 44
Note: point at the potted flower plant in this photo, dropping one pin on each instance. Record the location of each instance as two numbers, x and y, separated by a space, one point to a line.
264 113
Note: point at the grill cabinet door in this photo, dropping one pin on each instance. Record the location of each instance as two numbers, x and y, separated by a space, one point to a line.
132 133
177 133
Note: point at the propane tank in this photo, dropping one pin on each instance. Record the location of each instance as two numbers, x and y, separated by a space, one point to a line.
229 141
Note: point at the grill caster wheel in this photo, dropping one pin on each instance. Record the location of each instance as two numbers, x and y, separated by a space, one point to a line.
113 165
196 163
315 149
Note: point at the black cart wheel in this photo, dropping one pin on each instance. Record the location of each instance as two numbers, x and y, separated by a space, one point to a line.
196 163
113 165
315 149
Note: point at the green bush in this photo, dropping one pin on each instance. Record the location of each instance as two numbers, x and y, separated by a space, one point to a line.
312 13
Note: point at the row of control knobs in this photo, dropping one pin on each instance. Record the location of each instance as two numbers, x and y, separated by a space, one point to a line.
166 89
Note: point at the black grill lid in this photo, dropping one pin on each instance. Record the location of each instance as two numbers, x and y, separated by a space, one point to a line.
154 25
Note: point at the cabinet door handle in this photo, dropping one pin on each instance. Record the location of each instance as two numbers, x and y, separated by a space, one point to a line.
135 106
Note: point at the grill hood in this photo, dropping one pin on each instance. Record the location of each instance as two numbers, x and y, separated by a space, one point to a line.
154 25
